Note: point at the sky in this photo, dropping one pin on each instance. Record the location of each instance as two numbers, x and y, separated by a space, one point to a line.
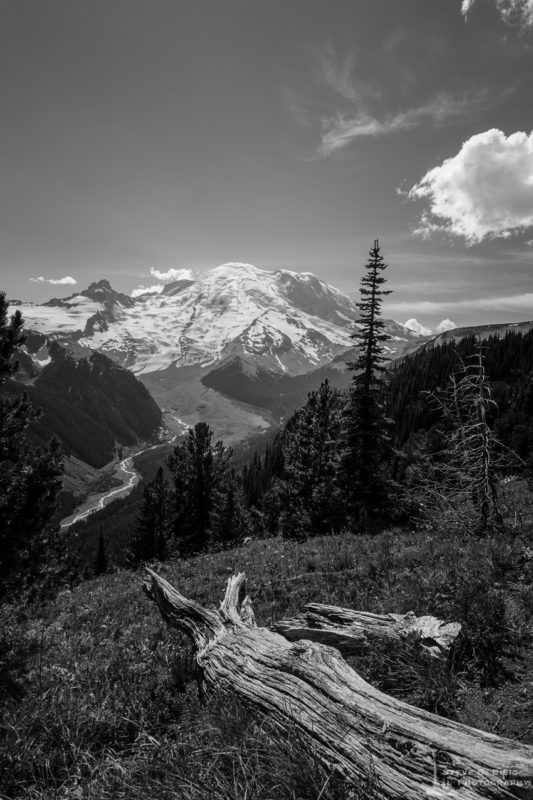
139 138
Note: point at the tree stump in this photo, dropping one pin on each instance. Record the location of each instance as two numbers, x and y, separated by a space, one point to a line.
353 727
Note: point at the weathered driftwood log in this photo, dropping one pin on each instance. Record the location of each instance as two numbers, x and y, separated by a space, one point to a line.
353 727
353 632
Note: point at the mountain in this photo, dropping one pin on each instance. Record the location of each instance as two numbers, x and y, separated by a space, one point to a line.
238 346
93 405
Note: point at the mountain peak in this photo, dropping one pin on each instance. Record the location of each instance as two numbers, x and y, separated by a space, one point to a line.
236 266
102 285
285 321
102 292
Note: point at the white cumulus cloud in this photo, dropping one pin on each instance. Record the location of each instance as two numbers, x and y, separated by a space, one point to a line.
483 192
66 281
513 12
417 327
445 325
171 274
156 288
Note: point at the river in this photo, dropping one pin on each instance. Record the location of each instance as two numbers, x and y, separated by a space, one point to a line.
128 476
125 472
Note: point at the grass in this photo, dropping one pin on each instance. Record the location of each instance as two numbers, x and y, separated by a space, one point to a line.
111 708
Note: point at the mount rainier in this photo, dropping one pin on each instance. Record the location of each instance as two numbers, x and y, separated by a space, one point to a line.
238 347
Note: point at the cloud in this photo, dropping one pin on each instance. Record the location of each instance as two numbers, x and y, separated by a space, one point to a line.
156 288
483 192
417 327
171 275
466 5
445 325
341 129
66 281
337 74
516 303
513 12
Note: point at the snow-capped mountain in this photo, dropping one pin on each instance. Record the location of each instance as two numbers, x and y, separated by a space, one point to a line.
287 322
234 319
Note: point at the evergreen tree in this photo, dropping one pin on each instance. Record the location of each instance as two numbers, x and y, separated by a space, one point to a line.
202 479
100 561
30 478
306 499
363 475
252 480
228 518
153 537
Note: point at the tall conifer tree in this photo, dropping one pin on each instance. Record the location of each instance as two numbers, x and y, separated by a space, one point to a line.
305 497
30 478
100 560
366 443
204 489
152 539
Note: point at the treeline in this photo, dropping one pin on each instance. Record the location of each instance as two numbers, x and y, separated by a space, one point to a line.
508 363
293 470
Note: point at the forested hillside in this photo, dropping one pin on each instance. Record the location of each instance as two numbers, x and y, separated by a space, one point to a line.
509 369
90 404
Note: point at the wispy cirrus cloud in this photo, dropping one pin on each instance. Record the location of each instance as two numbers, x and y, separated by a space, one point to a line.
341 129
515 304
351 109
513 12
66 281
345 108
338 74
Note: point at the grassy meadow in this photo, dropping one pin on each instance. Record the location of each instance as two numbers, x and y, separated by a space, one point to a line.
109 708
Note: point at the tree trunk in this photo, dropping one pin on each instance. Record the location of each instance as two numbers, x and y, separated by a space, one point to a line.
354 632
353 727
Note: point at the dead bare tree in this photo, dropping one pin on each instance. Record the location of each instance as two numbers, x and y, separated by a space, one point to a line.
353 727
466 474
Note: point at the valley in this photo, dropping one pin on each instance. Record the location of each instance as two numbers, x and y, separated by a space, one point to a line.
124 474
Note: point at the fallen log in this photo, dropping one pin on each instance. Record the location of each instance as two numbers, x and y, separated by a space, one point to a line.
353 727
354 632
